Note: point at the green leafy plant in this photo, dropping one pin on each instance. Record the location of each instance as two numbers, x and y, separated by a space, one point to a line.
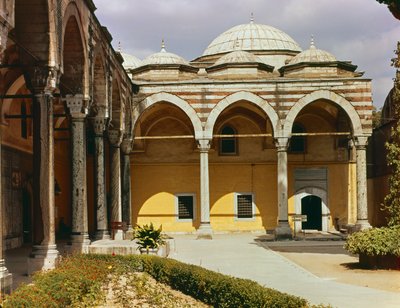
148 237
392 200
375 242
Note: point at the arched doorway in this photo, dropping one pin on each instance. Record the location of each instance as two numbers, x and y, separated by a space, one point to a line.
312 207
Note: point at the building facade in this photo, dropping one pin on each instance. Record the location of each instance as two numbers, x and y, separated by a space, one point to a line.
249 134
243 138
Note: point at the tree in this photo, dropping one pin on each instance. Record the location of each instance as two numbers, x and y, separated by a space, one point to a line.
393 6
392 200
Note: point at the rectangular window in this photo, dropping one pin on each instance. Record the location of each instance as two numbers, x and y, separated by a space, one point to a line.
185 205
244 206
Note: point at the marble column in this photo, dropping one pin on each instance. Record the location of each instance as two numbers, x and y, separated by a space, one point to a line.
99 126
205 230
126 148
115 138
362 197
79 235
44 252
282 231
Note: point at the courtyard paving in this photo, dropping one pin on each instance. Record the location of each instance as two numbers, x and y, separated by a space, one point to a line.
248 256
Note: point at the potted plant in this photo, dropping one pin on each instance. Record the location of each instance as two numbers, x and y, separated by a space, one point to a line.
148 238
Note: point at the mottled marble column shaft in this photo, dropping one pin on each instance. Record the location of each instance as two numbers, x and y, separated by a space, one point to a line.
99 126
126 148
362 197
282 230
205 230
75 105
115 137
43 158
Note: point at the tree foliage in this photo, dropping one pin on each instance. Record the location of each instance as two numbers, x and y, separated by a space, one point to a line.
393 6
392 200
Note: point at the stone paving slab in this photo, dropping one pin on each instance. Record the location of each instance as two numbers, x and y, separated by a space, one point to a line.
241 256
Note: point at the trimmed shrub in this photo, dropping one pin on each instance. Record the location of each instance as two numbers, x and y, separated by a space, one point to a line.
216 289
375 242
78 281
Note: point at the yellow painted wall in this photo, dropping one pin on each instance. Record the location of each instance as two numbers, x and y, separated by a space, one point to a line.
153 194
259 179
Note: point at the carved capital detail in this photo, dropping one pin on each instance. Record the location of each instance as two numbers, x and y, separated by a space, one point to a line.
282 144
361 142
204 145
115 137
76 106
126 145
99 125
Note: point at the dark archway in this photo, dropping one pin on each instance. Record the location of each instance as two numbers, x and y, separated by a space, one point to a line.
312 207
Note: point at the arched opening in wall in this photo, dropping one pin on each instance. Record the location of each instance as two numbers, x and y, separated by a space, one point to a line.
321 131
72 79
241 163
311 206
166 161
117 108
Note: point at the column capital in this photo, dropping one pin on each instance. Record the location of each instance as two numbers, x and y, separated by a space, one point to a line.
126 145
115 137
99 125
76 106
42 79
361 142
204 145
282 143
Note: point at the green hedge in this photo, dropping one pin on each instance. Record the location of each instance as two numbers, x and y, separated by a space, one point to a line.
216 289
375 242
78 280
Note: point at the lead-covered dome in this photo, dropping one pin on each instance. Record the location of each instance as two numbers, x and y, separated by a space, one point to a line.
130 61
164 57
313 55
238 56
251 37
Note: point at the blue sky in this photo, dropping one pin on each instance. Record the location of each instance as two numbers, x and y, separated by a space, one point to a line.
362 31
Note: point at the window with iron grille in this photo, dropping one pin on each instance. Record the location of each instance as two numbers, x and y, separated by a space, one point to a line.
185 207
244 206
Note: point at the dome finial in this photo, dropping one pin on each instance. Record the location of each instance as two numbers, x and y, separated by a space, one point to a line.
163 46
252 18
312 44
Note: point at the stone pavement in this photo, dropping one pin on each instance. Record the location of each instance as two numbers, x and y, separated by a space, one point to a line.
241 255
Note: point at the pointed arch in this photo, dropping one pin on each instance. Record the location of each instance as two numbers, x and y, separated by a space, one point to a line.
233 98
325 95
172 99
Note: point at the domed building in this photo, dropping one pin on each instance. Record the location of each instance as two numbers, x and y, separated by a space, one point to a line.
253 135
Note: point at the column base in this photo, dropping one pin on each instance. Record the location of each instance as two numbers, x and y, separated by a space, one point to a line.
102 235
204 231
283 232
5 279
79 243
42 258
362 224
118 235
130 233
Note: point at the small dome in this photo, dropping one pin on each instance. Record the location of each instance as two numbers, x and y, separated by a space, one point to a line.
164 57
130 61
252 37
313 54
238 56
